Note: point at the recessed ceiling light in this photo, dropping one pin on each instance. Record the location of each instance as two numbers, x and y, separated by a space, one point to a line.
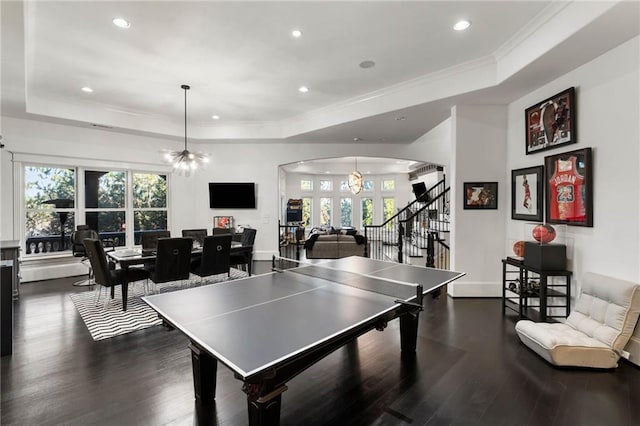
303 89
462 25
367 64
296 33
87 89
215 117
327 172
121 23
357 139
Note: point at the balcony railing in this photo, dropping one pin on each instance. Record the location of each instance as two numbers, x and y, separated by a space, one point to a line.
53 243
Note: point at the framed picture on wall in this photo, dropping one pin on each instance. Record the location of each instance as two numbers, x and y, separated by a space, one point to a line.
551 123
527 194
480 195
569 188
223 222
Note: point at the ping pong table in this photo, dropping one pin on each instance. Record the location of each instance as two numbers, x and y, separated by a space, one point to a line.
269 328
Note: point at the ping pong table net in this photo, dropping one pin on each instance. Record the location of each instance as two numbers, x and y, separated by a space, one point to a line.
400 290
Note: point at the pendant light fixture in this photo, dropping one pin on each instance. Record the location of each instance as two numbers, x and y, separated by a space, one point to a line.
355 180
184 162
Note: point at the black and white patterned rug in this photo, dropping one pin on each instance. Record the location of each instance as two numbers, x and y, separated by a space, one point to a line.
104 322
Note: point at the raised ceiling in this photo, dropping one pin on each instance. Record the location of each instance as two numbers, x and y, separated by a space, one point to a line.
244 66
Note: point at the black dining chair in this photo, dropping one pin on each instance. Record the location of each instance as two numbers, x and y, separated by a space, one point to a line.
173 260
110 278
243 256
149 240
197 235
78 236
215 257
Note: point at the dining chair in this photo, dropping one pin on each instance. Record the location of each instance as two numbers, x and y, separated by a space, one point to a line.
78 250
110 278
173 260
149 239
198 235
215 257
244 255
222 231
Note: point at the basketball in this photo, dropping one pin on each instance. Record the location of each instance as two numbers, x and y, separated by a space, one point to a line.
544 233
518 248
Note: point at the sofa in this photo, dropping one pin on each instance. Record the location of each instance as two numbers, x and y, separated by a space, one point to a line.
334 246
596 332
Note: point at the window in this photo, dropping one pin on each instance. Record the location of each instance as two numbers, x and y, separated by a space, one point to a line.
49 201
344 185
346 211
306 185
104 201
306 212
388 209
108 201
325 211
149 203
326 185
367 185
388 185
367 211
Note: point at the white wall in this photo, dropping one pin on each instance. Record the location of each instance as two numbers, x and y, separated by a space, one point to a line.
478 155
608 116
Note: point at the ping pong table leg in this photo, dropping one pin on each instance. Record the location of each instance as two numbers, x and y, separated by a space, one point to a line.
205 368
408 332
264 410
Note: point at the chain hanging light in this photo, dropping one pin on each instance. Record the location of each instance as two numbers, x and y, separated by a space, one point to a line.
355 180
184 162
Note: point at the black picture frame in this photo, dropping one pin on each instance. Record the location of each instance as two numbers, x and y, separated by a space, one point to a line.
480 196
569 188
551 123
527 194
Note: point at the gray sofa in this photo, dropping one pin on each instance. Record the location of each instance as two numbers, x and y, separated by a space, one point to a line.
334 246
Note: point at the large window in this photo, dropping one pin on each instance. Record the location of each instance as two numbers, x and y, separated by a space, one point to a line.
388 209
306 185
346 212
149 203
306 212
367 211
108 201
49 201
325 211
105 204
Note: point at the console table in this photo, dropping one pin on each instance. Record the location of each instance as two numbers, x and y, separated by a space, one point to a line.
525 297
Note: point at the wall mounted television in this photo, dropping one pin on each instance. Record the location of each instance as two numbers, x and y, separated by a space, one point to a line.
232 195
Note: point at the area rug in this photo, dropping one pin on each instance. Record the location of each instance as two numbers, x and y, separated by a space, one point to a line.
110 321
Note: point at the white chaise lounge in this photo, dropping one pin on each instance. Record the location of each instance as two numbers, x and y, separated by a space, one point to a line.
597 330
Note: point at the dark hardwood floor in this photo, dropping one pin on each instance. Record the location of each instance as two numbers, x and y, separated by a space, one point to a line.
470 369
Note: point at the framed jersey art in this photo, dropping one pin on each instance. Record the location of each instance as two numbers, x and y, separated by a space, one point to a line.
551 123
569 188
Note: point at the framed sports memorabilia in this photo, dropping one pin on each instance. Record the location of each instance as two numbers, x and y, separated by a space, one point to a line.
569 188
551 123
526 194
480 195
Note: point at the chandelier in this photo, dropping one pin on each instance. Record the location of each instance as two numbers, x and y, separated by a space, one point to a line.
185 161
355 180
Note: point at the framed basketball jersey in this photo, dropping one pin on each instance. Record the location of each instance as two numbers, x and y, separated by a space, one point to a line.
569 193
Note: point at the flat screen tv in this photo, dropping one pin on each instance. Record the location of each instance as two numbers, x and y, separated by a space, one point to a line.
232 195
420 190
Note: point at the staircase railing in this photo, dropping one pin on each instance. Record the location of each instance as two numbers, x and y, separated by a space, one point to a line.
418 230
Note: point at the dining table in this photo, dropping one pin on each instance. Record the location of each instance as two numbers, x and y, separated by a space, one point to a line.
135 256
